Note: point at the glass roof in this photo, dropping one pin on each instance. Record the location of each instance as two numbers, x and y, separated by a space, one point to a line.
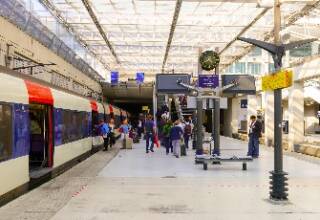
138 30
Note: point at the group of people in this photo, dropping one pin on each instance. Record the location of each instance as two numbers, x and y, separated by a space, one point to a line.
173 134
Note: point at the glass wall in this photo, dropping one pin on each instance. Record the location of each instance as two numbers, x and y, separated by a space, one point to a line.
254 68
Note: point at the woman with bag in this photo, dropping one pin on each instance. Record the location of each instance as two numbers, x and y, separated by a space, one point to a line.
111 133
104 132
124 129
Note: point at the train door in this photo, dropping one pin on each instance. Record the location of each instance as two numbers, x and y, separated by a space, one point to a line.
41 136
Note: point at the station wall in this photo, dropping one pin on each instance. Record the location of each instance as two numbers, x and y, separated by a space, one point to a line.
15 41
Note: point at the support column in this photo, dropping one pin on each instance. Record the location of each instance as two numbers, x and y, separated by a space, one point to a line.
228 120
235 115
296 115
216 127
154 98
269 118
199 150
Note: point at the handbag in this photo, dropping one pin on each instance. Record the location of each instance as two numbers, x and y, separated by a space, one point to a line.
156 140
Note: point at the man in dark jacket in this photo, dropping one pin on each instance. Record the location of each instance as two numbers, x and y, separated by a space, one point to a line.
255 129
149 131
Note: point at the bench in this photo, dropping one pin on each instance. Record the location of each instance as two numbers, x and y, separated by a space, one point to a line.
205 159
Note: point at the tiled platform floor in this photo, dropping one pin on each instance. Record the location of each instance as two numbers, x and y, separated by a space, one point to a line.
135 185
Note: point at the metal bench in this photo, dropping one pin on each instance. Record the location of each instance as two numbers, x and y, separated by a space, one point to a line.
205 159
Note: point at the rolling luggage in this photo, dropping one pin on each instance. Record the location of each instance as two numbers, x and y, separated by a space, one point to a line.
127 143
183 150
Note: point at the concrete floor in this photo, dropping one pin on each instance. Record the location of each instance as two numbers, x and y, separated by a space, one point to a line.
135 185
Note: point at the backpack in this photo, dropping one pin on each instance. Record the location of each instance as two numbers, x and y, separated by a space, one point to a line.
187 129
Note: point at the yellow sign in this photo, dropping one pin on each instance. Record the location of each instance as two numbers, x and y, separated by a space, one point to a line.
145 108
279 80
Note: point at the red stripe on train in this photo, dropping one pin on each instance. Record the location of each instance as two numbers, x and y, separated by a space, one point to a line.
94 106
38 93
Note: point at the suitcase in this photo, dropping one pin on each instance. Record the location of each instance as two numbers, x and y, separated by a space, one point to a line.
128 142
183 150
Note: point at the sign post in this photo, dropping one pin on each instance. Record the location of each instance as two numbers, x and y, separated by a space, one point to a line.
278 176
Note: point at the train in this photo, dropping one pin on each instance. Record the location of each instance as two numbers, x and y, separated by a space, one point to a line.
44 128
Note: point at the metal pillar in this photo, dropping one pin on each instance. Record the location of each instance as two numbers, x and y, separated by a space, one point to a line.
278 177
197 119
216 132
194 138
155 104
199 150
216 122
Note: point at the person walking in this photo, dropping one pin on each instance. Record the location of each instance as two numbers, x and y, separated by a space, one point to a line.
166 132
104 132
124 129
140 128
111 133
187 133
176 133
149 132
255 130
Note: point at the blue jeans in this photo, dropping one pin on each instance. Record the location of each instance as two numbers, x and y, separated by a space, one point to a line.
186 140
168 144
253 146
149 137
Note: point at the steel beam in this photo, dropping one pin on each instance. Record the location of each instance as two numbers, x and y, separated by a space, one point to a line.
291 20
173 27
55 12
100 29
260 15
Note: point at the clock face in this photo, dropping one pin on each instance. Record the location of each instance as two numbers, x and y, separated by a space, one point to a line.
209 60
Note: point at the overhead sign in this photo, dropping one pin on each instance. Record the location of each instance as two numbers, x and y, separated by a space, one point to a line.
145 108
244 84
244 103
114 77
208 81
139 78
167 83
278 80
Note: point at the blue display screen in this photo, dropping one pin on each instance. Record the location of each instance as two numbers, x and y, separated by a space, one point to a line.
139 78
114 77
208 81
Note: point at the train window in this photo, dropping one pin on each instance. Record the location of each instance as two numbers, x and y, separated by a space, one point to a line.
75 125
5 131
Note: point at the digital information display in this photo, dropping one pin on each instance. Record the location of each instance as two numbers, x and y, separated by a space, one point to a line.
245 84
114 77
167 83
208 81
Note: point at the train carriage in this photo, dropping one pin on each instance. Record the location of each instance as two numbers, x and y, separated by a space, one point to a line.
43 128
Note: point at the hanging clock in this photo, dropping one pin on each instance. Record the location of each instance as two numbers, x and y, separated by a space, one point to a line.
209 60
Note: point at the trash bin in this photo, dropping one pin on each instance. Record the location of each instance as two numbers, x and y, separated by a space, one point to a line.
296 147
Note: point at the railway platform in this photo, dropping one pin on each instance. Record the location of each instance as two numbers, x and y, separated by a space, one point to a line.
130 184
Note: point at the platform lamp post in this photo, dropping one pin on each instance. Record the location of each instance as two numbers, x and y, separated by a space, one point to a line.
277 50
